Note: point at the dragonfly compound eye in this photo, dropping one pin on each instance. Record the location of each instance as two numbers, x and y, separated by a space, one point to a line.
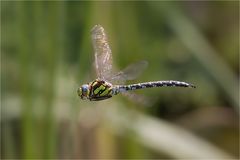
79 91
83 91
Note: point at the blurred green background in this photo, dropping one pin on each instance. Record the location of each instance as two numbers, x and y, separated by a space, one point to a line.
46 54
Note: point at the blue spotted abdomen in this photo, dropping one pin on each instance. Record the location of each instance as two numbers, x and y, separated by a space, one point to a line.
170 83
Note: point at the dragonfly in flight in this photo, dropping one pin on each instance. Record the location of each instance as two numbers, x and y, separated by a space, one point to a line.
105 86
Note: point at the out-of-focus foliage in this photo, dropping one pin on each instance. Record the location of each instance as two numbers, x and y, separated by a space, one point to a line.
46 53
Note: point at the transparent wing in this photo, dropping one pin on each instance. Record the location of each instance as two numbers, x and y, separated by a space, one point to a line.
130 72
103 54
139 99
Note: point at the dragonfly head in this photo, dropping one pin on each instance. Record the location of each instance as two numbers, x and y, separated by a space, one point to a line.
83 91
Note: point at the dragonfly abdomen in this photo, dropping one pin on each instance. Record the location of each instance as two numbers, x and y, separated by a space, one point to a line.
170 83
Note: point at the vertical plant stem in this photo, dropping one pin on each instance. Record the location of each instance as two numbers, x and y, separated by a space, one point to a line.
50 12
25 43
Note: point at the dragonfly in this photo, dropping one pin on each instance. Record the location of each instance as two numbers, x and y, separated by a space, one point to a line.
107 84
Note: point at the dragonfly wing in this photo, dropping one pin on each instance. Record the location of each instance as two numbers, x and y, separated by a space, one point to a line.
130 72
139 99
103 54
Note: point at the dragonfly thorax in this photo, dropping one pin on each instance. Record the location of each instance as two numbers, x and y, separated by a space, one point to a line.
96 90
